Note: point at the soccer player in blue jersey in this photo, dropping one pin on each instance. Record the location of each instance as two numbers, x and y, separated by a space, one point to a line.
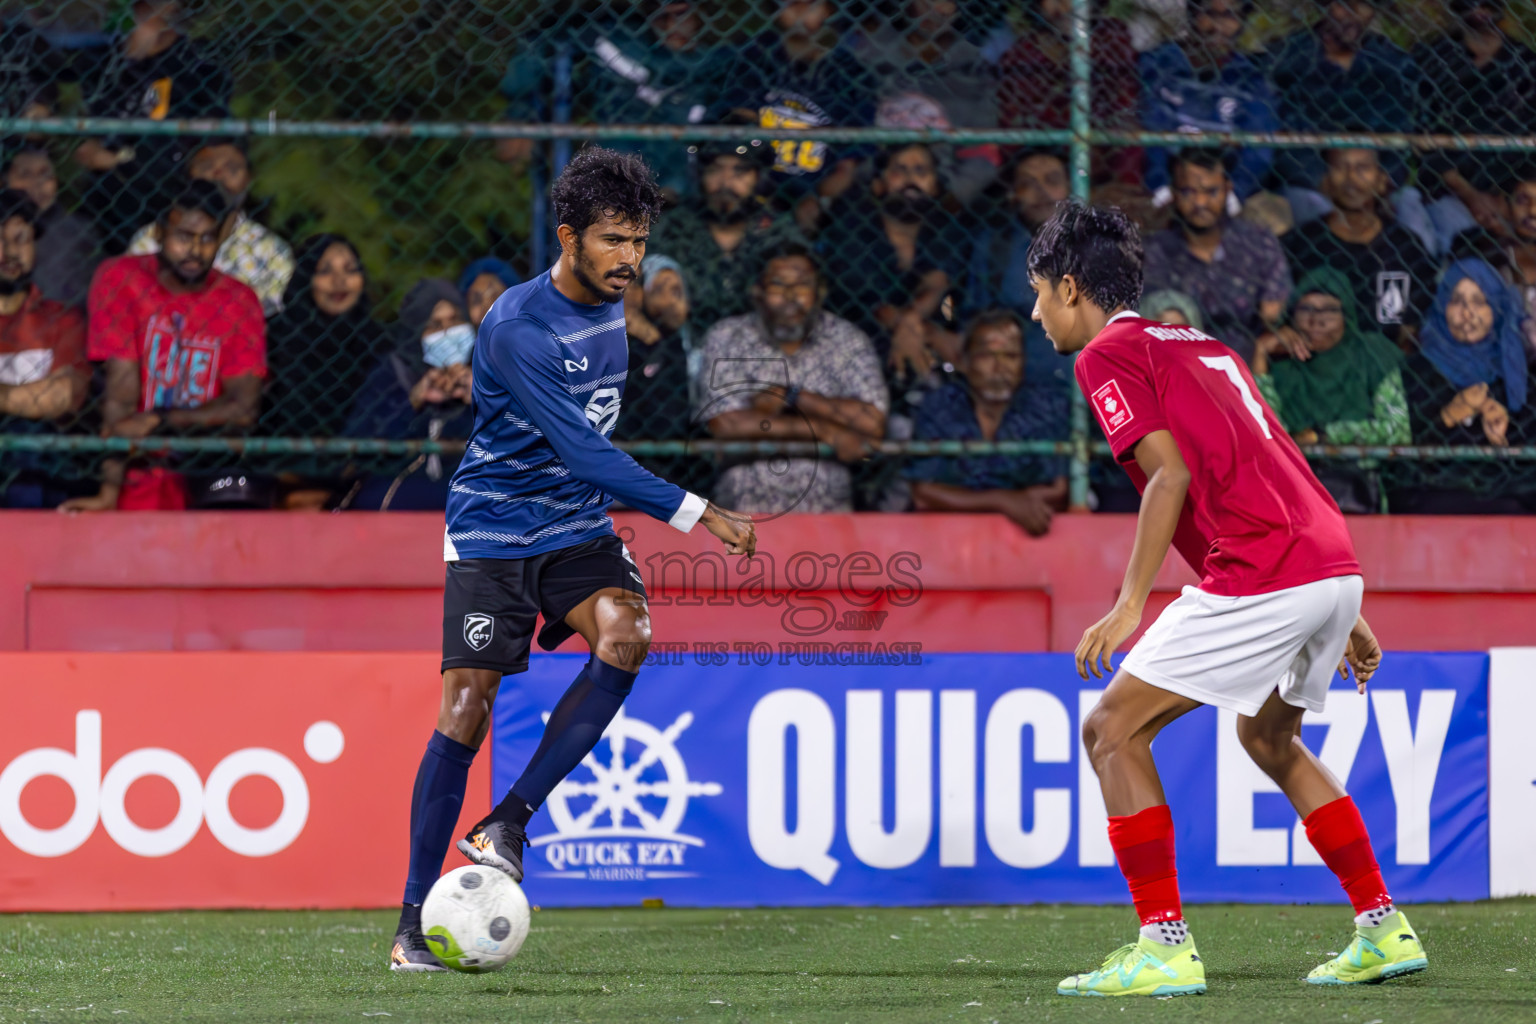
528 528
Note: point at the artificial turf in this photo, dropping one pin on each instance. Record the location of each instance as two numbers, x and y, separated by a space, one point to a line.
914 964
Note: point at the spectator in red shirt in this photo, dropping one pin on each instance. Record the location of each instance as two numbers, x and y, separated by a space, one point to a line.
43 369
1036 86
184 345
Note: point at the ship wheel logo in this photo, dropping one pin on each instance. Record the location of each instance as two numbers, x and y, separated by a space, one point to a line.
639 786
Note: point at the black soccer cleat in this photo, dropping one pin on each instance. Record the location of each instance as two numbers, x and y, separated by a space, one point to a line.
496 844
410 953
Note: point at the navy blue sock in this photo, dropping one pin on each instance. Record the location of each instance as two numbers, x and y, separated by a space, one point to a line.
574 728
435 804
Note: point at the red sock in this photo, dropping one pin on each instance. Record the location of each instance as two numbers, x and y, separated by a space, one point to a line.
1143 845
1338 833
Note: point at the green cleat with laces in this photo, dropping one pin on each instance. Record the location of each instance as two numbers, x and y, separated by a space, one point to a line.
1390 950
1143 968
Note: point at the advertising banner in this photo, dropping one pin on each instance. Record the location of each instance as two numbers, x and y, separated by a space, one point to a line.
163 781
742 775
1512 772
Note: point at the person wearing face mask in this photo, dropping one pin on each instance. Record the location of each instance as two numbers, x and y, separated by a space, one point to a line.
482 283
1468 385
249 251
419 390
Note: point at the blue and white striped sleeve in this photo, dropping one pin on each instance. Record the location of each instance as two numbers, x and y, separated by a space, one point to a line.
528 361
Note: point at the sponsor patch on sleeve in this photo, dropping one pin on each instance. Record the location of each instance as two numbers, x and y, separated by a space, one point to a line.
1113 411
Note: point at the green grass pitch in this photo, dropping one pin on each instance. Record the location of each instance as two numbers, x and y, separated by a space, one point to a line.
975 964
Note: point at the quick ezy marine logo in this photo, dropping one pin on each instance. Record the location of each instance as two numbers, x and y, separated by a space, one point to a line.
624 824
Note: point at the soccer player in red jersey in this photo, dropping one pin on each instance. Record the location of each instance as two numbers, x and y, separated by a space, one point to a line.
1277 608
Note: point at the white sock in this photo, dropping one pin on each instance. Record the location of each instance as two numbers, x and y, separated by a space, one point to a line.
1167 933
1373 918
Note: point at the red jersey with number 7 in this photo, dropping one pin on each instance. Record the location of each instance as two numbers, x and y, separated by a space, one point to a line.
1255 519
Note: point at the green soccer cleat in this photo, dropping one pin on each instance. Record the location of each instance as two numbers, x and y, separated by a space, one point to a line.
1389 950
1143 968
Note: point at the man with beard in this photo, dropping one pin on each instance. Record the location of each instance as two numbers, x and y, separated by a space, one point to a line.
43 370
791 371
999 273
719 237
1203 83
898 253
1475 81
528 529
1338 76
1234 269
66 243
184 345
248 251
1392 276
992 401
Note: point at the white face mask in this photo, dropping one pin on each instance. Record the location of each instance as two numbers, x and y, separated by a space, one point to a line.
450 347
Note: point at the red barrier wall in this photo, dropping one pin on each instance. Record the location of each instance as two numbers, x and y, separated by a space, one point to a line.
372 582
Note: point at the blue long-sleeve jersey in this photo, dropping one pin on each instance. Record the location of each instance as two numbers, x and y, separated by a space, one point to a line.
539 472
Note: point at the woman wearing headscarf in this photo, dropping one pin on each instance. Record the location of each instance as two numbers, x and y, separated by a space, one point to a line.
1468 386
1171 306
419 391
1347 390
482 283
660 393
322 343
318 349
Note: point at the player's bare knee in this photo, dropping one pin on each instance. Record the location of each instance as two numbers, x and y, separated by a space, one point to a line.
1104 734
467 698
625 643
1270 749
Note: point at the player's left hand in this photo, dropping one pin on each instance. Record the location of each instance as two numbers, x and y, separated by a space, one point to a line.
734 528
1362 653
1100 640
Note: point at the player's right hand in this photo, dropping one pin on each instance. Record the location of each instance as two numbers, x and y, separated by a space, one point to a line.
735 528
1100 640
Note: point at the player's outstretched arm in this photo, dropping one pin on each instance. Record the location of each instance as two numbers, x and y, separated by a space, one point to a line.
1362 653
1161 503
735 528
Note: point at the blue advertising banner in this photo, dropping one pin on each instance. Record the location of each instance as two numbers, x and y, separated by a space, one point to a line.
761 777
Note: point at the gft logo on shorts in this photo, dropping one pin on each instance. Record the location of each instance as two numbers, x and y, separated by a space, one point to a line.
478 628
623 824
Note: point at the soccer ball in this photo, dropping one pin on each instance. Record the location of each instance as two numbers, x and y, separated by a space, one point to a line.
475 919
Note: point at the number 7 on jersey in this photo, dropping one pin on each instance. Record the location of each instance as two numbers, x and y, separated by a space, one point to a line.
1228 366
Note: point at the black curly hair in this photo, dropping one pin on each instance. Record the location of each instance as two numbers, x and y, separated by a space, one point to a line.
605 183
1099 246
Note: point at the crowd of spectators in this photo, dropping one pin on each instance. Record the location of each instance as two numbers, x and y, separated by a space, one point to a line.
803 290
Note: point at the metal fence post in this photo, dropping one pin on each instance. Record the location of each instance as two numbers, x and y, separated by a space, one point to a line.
1081 155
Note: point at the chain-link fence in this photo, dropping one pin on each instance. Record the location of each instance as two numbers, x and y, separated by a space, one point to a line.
1344 193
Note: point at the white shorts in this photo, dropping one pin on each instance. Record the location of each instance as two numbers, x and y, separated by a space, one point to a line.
1233 652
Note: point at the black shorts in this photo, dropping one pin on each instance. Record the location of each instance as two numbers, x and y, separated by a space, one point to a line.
490 605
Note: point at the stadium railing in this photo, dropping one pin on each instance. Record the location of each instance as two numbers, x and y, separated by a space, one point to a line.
275 72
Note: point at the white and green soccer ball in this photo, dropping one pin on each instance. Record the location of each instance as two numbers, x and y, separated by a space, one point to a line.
475 919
